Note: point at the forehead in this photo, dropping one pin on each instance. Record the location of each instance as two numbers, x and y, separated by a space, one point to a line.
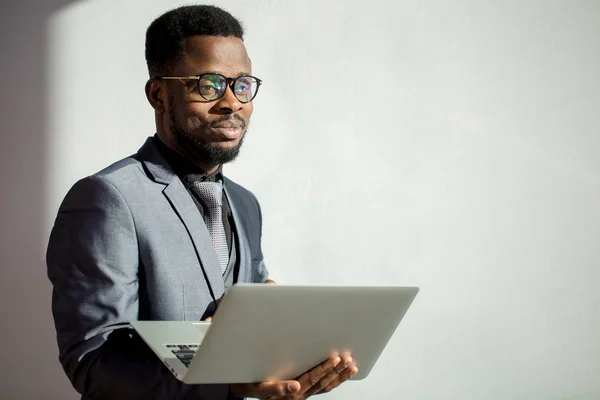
226 55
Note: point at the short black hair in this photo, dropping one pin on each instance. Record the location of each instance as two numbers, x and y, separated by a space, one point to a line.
166 34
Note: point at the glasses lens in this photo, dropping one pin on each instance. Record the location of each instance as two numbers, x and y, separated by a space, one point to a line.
212 86
245 88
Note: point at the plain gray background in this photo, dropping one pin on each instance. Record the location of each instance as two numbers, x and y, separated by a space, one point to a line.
449 145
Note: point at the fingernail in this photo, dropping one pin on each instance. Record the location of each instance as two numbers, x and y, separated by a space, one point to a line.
292 387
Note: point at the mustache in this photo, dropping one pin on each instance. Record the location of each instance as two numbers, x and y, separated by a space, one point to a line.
227 118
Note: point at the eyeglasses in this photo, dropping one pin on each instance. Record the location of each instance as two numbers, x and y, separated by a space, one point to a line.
212 86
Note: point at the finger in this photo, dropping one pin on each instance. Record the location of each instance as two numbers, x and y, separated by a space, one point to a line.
323 383
270 282
332 376
312 377
209 319
346 374
275 389
344 363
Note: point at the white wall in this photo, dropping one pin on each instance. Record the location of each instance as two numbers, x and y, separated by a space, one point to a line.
29 368
449 145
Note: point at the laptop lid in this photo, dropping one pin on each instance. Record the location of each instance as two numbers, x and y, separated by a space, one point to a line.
277 332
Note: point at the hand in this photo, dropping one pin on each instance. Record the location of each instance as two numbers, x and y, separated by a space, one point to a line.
321 379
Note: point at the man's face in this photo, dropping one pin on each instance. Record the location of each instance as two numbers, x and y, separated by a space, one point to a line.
207 132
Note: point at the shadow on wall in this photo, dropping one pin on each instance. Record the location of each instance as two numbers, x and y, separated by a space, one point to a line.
30 368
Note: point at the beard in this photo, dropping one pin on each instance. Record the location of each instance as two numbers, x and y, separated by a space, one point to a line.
197 149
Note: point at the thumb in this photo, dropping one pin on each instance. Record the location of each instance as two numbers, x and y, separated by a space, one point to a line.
277 389
264 390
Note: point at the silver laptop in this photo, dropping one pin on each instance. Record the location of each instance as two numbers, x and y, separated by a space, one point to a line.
278 332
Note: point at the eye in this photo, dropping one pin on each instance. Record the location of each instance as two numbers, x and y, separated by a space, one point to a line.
207 89
243 85
245 88
211 86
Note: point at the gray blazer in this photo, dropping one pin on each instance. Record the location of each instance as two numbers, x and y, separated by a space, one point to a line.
129 244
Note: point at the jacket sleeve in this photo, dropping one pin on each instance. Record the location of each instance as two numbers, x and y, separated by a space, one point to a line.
259 270
93 261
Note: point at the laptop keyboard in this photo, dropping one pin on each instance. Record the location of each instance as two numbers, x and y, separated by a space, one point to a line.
184 352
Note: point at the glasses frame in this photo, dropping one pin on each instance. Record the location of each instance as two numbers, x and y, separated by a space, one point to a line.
230 83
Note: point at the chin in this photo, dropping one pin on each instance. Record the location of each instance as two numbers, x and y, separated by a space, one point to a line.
230 144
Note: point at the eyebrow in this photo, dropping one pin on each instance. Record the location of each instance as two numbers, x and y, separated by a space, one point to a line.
220 73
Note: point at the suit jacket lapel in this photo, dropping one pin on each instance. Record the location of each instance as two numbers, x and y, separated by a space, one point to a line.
187 211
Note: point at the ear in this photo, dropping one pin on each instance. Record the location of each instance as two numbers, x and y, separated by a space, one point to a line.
155 93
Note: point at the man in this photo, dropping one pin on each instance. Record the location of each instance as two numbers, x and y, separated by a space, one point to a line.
162 234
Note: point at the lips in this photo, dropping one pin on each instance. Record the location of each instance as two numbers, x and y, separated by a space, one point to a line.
229 129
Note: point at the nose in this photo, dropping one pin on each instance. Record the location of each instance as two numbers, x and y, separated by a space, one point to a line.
228 104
